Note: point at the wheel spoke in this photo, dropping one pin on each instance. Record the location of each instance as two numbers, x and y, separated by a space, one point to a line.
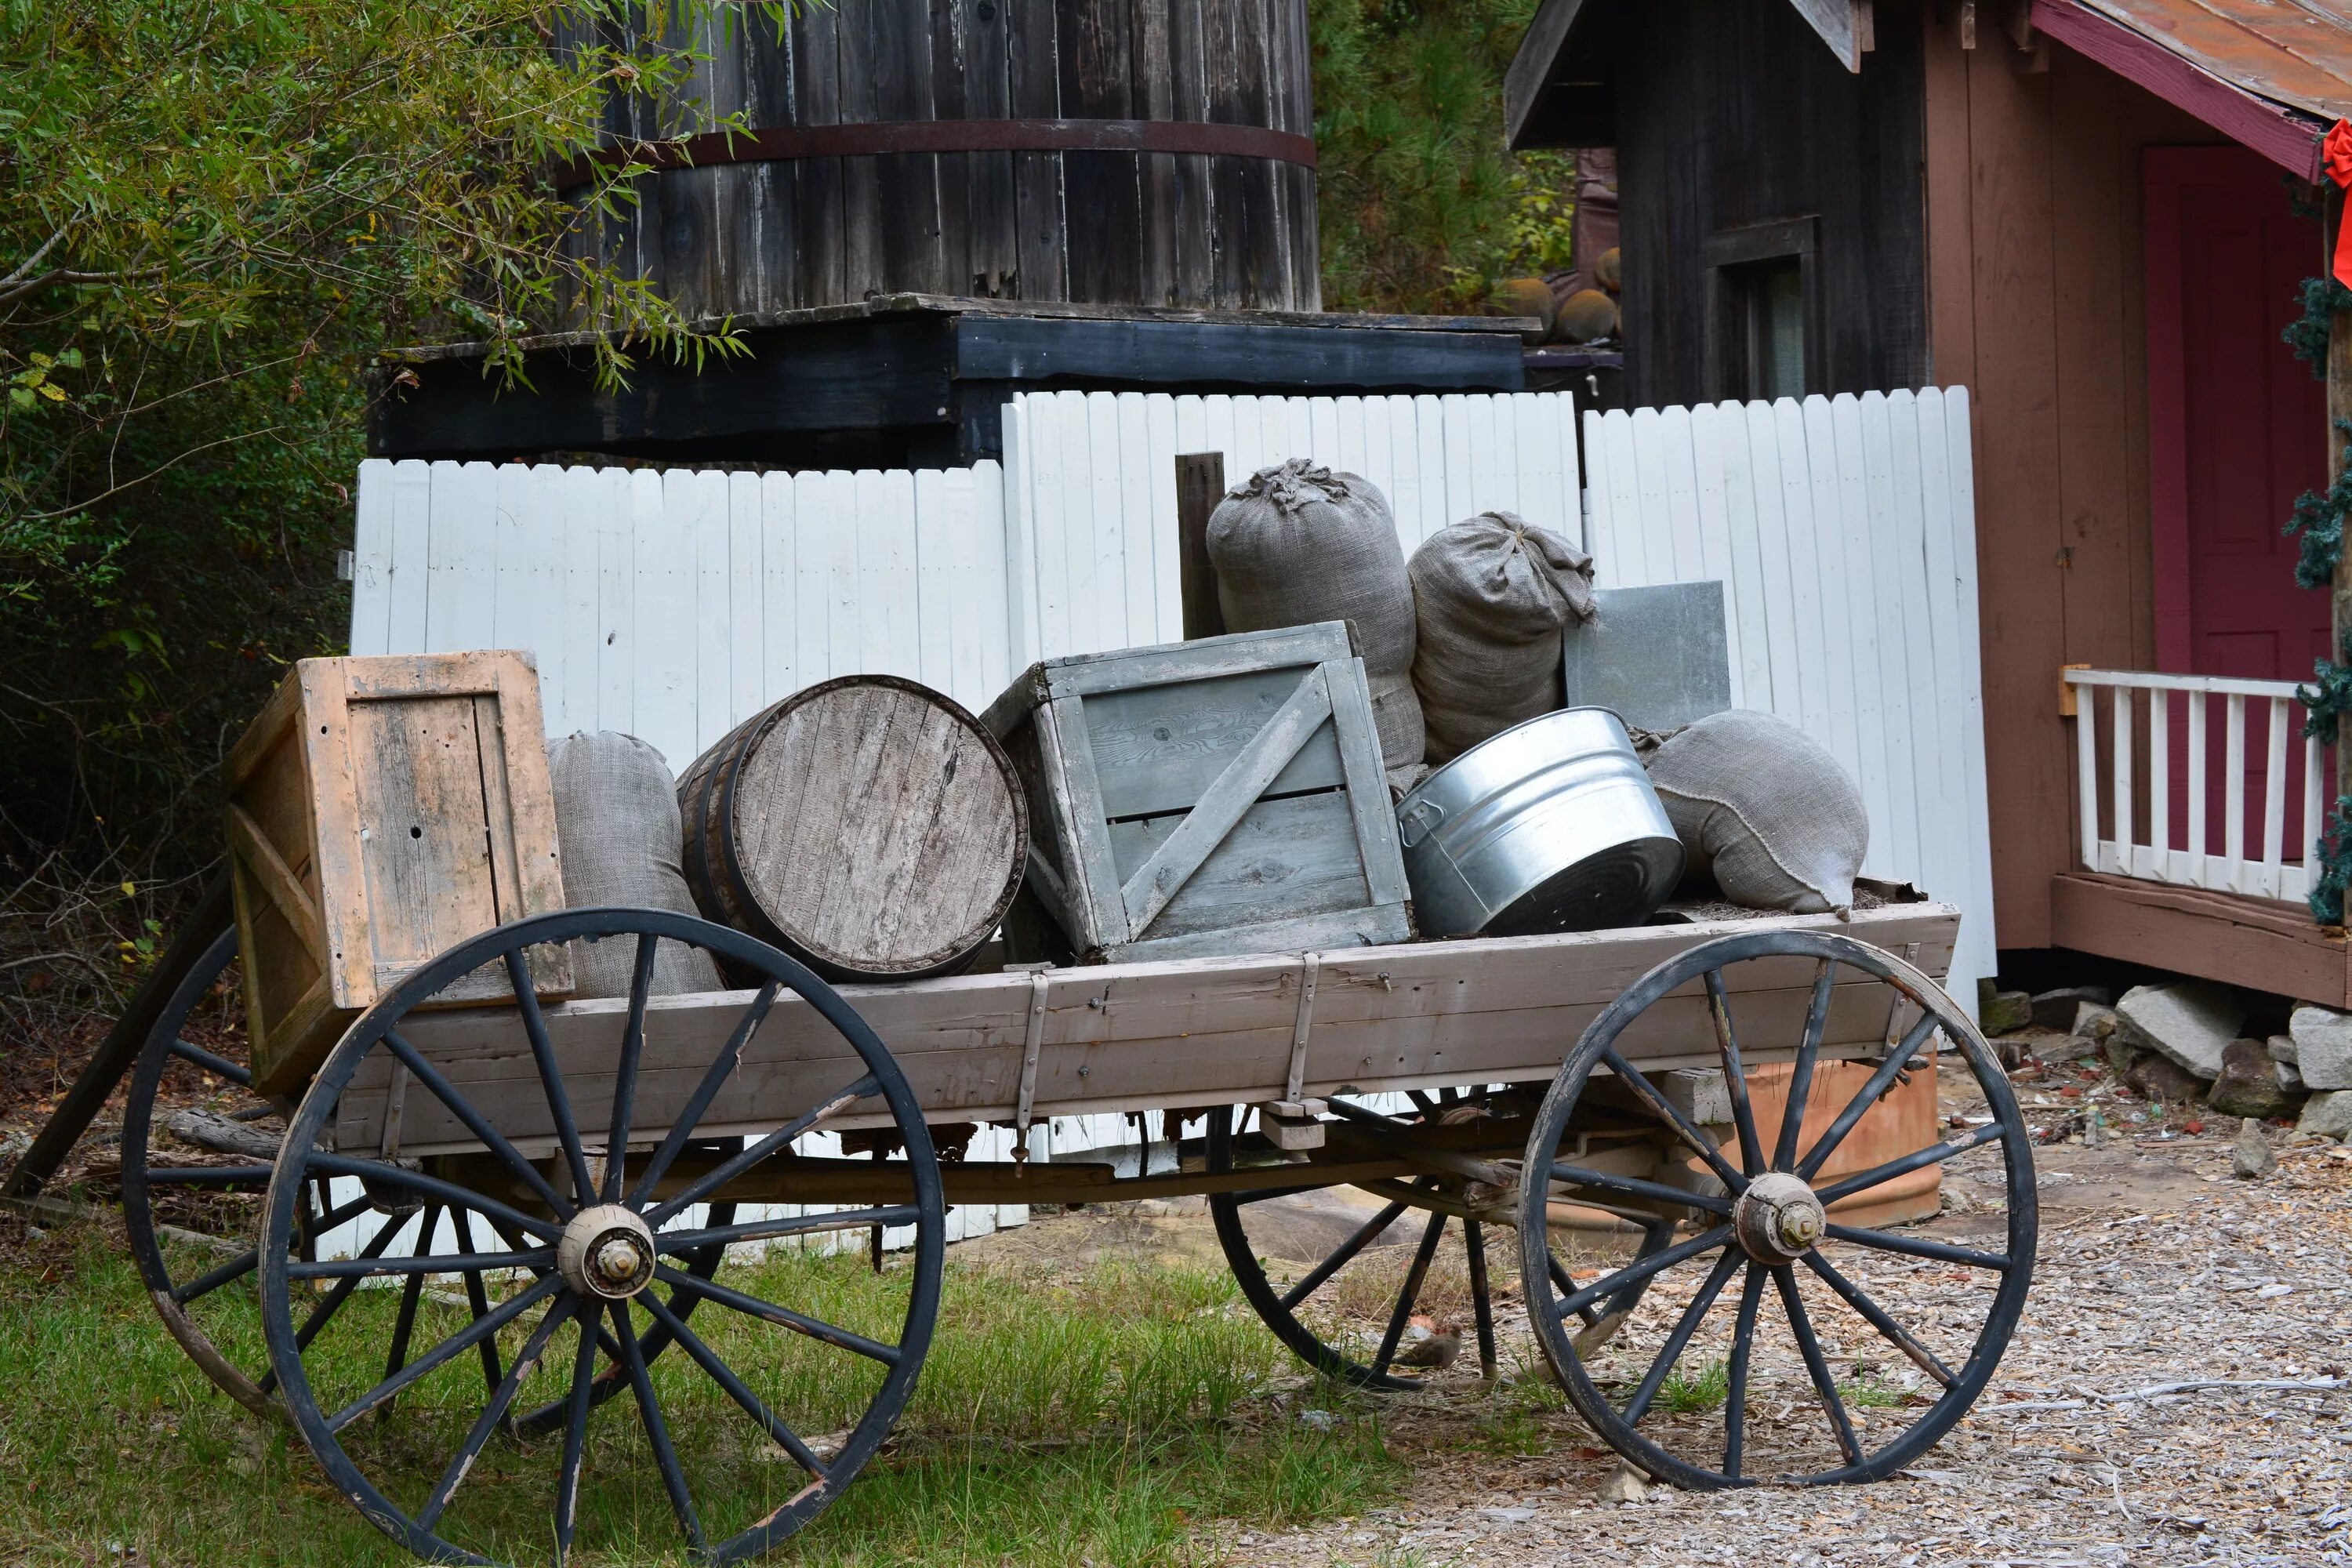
575 1436
624 1080
425 1073
1734 1076
1880 1082
1800 1076
1816 1363
537 1259
1698 1142
1933 1154
677 1241
1877 1317
633 1357
411 1294
721 1070
783 1317
1633 1186
1743 1341
455 1345
1919 1247
494 1414
736 1390
1474 1238
1635 1273
207 1175
350 1270
477 1301
1566 1287
1684 1327
206 1283
449 1193
219 1067
1413 1277
702 1187
1339 1258
551 1076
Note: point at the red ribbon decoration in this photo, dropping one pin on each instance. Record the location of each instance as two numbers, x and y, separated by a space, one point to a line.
2335 157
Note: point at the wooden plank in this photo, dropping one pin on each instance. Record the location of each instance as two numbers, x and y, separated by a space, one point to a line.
779 588
1895 590
1094 884
372 558
1832 535
624 493
1461 477
570 700
991 519
663 569
1023 549
2253 943
1655 529
1428 508
407 576
702 496
845 610
813 552
1127 526
1199 486
747 600
1934 694
1157 460
1157 748
823 262
935 586
1285 856
459 559
1748 606
1119 669
979 616
1373 813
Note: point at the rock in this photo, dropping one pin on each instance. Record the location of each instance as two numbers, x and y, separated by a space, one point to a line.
2154 1078
2053 1049
2323 1045
2327 1115
2002 1012
2289 1077
2282 1049
2250 1156
2189 1023
1625 1484
2057 1009
2248 1083
2095 1019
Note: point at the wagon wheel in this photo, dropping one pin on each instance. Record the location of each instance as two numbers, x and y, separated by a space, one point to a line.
1913 1324
573 1293
192 1186
1382 1272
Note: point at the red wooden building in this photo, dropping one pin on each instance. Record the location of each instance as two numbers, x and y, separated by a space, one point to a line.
2096 214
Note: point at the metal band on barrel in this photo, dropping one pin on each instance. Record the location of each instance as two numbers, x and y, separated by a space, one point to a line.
779 144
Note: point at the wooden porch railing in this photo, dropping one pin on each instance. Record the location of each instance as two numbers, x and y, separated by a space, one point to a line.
2264 829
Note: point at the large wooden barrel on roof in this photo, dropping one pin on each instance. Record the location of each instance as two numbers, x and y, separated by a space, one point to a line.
867 826
1152 153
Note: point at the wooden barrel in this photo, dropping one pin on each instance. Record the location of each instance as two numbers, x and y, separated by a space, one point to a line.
867 826
1109 151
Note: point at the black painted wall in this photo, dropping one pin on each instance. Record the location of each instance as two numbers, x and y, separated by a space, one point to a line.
1732 113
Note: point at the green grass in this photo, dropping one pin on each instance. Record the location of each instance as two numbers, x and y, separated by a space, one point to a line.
1696 1392
1111 1418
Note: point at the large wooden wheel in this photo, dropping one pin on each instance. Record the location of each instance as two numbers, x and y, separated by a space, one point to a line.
1438 1214
568 1308
1777 1343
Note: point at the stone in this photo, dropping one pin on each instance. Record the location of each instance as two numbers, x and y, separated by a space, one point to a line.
2095 1019
2057 1009
2188 1022
2053 1049
2002 1012
1624 1484
2248 1083
2323 1045
2289 1077
2282 1049
2327 1115
2250 1156
2154 1078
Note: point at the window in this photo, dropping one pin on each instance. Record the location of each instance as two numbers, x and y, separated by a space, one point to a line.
1761 337
1774 297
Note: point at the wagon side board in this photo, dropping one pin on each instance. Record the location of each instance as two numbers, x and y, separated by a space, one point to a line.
1160 1036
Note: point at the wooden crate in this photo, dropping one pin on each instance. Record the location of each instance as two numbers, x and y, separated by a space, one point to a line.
381 810
1202 798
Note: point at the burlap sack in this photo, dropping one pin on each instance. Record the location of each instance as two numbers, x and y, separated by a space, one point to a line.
1765 808
618 830
1492 594
1299 543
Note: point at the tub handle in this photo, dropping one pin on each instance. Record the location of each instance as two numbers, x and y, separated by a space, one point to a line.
1415 821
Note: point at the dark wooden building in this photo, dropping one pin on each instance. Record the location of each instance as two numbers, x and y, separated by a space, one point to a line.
2094 214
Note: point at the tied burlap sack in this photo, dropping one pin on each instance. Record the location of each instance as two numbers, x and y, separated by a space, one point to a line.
1299 544
1764 807
1492 594
618 830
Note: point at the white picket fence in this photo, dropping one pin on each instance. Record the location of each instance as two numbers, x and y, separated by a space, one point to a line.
2167 833
1843 532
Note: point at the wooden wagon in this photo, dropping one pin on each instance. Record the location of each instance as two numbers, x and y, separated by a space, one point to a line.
1660 1113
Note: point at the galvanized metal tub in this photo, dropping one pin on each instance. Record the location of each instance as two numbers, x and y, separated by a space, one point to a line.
1551 826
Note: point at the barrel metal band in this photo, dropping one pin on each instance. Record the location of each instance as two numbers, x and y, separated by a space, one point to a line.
780 144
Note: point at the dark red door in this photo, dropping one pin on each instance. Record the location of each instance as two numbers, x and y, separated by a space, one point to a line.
2236 431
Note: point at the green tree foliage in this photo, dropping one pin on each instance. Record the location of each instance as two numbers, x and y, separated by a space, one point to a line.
212 213
1422 208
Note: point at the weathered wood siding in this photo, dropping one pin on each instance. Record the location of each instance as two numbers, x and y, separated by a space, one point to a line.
1188 229
1730 116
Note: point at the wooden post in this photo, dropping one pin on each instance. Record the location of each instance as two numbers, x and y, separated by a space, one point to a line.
1200 485
2339 618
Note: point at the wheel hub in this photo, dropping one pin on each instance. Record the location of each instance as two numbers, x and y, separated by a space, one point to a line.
1778 1219
606 1252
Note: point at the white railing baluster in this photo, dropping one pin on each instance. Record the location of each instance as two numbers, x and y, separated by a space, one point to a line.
2086 771
2159 784
2198 841
2314 816
2118 853
2275 799
2234 794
